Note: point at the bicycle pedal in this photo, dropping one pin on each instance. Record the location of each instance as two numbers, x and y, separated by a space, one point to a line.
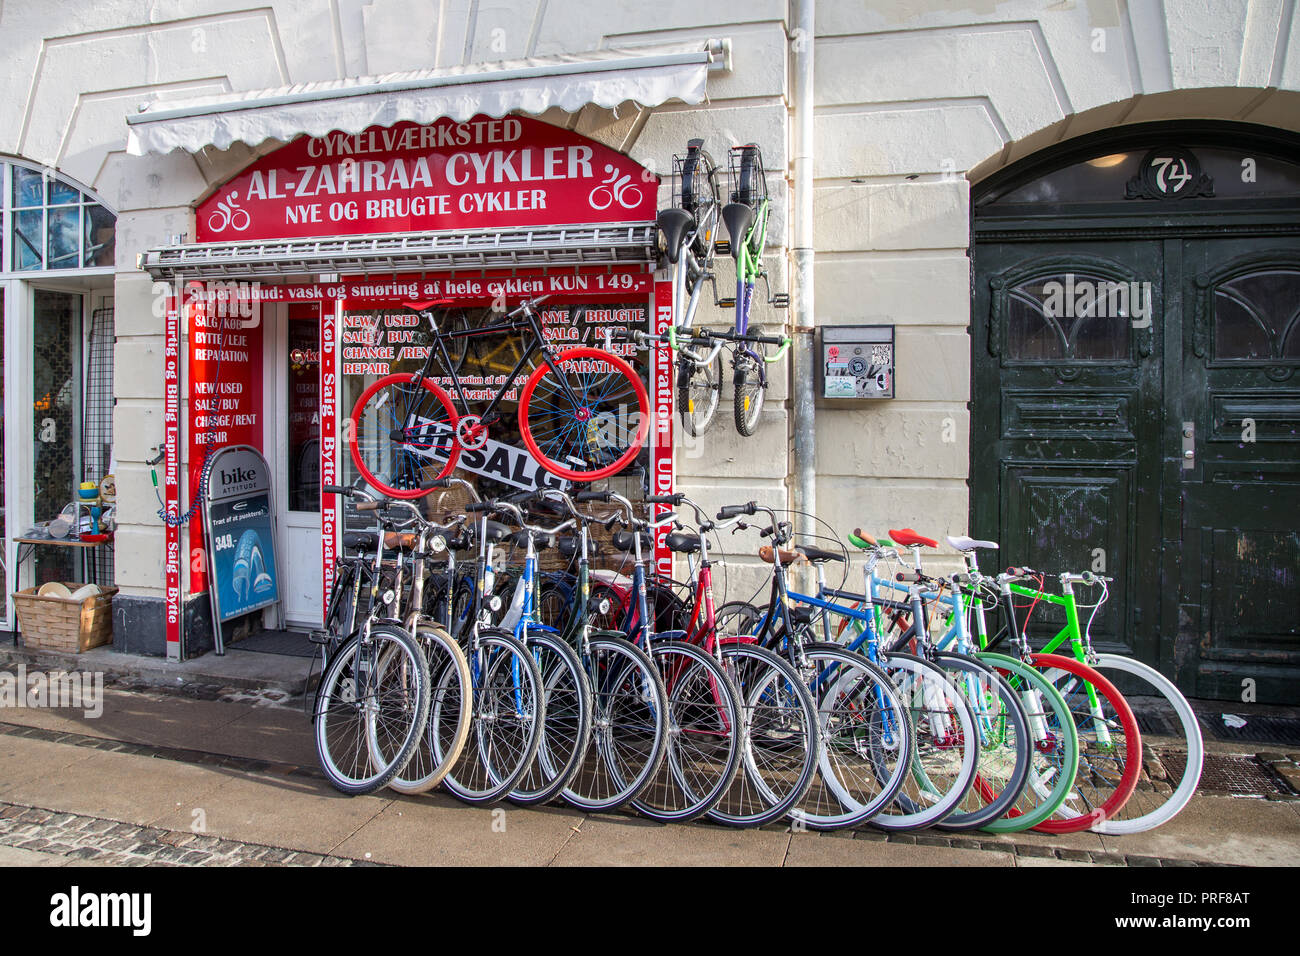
723 247
781 300
318 637
727 303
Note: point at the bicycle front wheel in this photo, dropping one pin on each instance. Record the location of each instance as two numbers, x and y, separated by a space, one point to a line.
704 735
371 709
509 709
402 434
749 383
699 386
1110 745
1164 787
629 726
781 738
584 415
566 731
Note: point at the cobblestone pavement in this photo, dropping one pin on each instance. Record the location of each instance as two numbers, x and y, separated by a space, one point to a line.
112 843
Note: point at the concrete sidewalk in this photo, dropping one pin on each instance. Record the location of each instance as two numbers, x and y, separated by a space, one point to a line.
133 786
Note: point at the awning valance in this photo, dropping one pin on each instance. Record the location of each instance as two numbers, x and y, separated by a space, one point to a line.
645 75
540 248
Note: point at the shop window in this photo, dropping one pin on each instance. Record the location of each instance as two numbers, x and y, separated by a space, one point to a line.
56 327
54 225
1068 317
1257 316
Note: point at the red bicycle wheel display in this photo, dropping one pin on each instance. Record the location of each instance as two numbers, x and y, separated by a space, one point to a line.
586 416
1108 766
402 434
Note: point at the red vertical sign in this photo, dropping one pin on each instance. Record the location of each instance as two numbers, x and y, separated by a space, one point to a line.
171 474
328 431
661 430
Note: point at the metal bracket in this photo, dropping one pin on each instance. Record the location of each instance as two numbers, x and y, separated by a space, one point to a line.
1189 445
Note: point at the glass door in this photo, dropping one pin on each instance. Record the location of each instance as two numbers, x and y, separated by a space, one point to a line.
297 367
56 414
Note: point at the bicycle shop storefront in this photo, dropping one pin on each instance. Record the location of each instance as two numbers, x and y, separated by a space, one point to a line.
305 287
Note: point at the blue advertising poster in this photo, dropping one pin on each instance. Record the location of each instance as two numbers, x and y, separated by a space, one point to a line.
240 531
243 554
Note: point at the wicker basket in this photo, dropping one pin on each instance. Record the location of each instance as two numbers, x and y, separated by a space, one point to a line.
57 624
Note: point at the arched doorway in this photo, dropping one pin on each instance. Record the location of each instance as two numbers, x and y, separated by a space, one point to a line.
1136 402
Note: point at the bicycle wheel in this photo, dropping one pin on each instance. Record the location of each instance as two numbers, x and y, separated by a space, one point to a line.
1005 747
509 709
425 770
1055 751
367 723
401 434
867 739
1110 745
566 732
699 386
946 755
750 388
781 738
629 726
737 617
704 735
584 415
1163 788
605 609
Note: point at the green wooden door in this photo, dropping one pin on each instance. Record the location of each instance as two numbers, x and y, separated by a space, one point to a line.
1067 415
1234 469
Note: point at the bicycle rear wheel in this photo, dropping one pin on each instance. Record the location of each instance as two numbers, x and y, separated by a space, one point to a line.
1163 788
704 735
402 434
1110 745
584 415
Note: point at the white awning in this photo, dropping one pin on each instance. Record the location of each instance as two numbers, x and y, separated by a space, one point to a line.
646 75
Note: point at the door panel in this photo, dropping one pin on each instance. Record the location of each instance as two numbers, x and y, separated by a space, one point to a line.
1066 422
298 386
1239 617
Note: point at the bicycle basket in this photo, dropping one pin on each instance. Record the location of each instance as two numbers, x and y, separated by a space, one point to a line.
748 180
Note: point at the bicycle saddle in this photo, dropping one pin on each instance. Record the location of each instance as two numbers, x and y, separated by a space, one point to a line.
860 539
567 545
360 540
425 306
787 557
816 555
685 543
963 543
737 217
540 541
908 538
624 541
405 541
496 531
674 223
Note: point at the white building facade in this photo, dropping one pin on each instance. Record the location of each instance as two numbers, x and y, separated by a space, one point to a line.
962 159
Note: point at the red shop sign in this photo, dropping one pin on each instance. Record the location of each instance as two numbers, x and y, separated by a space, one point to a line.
479 174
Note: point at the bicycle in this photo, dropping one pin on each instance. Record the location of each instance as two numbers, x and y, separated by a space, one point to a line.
1151 802
373 702
583 413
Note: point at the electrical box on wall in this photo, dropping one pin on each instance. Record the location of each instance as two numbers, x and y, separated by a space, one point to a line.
857 361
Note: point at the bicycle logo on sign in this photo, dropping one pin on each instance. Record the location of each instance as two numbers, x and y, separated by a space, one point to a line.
615 189
229 214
